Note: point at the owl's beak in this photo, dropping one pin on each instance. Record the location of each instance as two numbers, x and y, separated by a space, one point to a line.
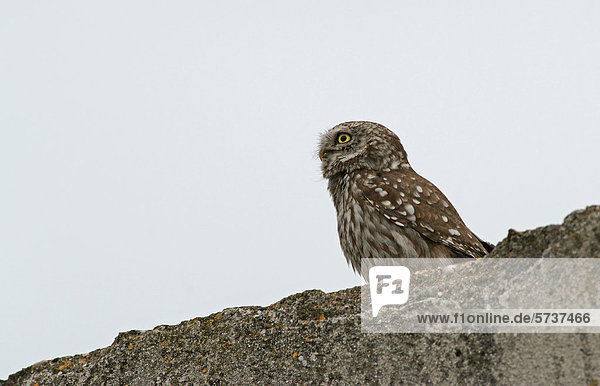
322 154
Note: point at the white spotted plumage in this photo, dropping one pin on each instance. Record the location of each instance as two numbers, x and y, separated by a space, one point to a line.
384 208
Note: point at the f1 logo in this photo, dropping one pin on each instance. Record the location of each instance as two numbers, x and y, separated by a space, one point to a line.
389 285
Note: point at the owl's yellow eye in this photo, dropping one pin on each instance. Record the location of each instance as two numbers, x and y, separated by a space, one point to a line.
343 138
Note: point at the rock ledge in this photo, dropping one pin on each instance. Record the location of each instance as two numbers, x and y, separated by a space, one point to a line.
314 337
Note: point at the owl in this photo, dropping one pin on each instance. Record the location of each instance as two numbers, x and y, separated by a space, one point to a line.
384 208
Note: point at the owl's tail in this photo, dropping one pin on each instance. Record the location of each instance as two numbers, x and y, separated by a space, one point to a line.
488 246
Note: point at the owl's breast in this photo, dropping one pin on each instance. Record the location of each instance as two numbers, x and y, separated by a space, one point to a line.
363 232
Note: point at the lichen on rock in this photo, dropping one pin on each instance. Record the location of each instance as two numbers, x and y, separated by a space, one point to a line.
315 337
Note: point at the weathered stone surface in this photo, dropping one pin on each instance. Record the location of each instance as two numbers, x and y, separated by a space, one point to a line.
314 337
578 236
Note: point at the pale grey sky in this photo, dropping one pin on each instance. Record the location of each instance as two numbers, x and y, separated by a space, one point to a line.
157 158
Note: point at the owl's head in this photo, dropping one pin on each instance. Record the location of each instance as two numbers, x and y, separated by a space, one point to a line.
358 145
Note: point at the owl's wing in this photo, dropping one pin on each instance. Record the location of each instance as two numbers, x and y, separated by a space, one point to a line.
409 200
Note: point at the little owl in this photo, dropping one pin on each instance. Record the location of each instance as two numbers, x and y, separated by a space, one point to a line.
384 208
